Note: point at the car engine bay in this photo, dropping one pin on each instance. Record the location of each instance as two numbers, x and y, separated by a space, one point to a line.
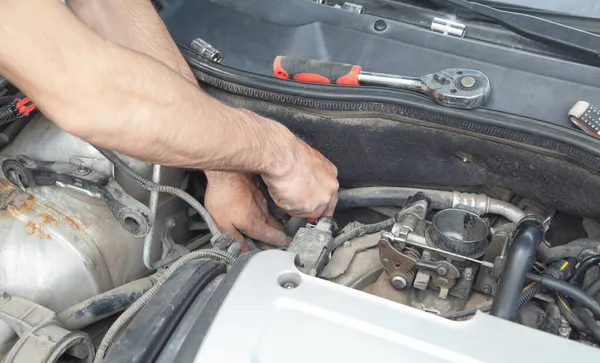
78 242
459 235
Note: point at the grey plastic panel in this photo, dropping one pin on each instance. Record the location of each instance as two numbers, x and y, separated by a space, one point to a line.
319 321
250 33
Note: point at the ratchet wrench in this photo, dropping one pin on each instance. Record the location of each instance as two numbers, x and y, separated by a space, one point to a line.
454 87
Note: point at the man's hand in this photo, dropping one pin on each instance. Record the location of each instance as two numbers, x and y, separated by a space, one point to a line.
238 205
308 187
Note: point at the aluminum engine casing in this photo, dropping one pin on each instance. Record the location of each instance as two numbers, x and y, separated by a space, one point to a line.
59 247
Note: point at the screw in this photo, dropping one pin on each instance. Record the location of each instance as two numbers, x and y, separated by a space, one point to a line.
312 272
385 261
288 285
468 274
380 25
82 170
399 282
442 270
467 82
487 289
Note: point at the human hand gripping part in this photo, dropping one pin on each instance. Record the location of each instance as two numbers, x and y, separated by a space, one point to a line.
79 66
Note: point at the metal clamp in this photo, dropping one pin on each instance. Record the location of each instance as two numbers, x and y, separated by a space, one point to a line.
26 173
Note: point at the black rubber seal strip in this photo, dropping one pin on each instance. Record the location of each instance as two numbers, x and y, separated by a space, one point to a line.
485 122
144 339
190 346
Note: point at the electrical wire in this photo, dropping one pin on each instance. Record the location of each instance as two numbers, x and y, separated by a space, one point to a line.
151 186
137 306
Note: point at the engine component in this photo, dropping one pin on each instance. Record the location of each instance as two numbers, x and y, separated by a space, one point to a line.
106 304
135 308
395 196
41 337
459 231
519 261
60 247
26 173
312 246
359 320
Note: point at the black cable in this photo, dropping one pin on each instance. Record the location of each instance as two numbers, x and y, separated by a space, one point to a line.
361 231
590 323
575 293
9 113
12 130
567 312
527 294
582 268
465 313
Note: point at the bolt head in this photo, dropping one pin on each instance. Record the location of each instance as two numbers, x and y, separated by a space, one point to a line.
399 282
442 270
380 25
385 261
468 274
82 170
487 289
288 285
467 82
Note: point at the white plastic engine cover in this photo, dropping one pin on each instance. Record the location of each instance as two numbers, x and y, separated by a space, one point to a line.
261 321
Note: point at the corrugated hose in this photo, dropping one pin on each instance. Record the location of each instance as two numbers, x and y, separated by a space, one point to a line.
137 306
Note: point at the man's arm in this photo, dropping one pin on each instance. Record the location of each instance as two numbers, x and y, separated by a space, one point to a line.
234 199
126 101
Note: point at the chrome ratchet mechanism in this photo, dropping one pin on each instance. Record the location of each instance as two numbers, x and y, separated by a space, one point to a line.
454 87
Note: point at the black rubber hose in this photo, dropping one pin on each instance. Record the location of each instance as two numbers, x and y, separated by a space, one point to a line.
565 288
582 269
593 289
361 231
590 323
567 312
12 130
519 261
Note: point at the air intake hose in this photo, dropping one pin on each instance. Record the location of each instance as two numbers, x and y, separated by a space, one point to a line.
519 261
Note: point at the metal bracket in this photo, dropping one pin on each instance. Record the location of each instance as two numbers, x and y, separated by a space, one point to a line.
353 8
448 27
26 173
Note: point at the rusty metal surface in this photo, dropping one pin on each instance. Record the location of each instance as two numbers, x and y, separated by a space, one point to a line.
58 247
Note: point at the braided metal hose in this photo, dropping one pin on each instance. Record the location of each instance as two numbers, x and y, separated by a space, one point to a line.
135 308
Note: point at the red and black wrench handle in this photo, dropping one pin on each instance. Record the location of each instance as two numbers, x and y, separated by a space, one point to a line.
316 71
